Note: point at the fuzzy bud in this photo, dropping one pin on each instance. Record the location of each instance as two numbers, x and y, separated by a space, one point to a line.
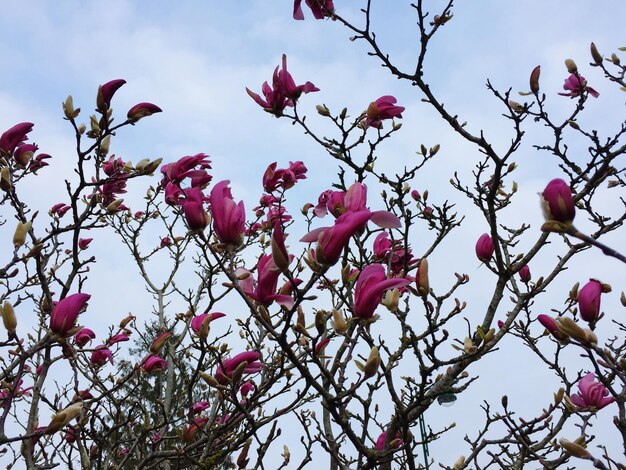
571 66
19 237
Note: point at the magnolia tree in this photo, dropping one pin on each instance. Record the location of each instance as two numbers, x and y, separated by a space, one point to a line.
337 330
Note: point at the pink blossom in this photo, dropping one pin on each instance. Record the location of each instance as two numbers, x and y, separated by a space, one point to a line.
199 407
193 167
118 338
60 209
591 394
154 364
246 388
83 243
229 218
283 178
193 209
320 9
190 432
196 322
370 287
84 336
552 326
228 366
380 442
381 109
166 241
38 163
65 312
23 154
484 248
141 110
283 93
106 92
558 203
524 274
12 137
264 291
101 355
589 301
575 85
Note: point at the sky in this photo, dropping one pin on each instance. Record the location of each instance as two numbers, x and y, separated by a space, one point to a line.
195 59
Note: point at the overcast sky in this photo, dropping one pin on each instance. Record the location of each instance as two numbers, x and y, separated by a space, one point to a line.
195 58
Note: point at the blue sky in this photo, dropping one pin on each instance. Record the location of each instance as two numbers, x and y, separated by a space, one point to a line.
195 58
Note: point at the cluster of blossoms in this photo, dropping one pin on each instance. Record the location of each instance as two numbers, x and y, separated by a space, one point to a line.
392 252
13 146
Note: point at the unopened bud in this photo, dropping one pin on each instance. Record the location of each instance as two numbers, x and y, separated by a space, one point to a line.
615 59
468 346
322 110
458 465
152 166
595 55
339 322
534 79
574 449
5 179
8 317
320 321
423 285
114 206
571 66
373 362
105 144
515 106
19 237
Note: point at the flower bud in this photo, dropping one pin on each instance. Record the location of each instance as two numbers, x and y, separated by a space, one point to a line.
574 449
558 203
322 110
484 248
571 66
595 55
159 342
5 179
373 362
339 322
421 279
19 237
8 318
524 274
63 417
534 79
515 106
114 206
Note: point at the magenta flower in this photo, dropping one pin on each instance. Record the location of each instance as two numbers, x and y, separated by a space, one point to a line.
196 322
193 209
118 338
264 291
380 442
591 394
370 287
320 9
589 301
190 432
23 154
141 110
38 163
101 355
484 248
246 388
84 336
83 243
283 93
14 136
199 407
381 109
166 241
558 203
225 371
154 364
552 326
283 178
575 85
106 92
229 218
524 274
65 312
193 167
60 209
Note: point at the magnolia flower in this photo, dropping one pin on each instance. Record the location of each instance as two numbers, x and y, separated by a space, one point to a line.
228 366
84 336
199 407
524 274
159 341
193 209
65 312
591 394
141 110
153 364
380 442
558 204
283 178
370 287
60 209
575 85
38 163
106 92
12 137
589 301
23 154
381 109
264 291
83 243
229 218
196 322
320 9
101 355
246 388
190 166
484 248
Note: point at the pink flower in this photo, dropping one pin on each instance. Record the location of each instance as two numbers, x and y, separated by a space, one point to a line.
552 326
251 358
484 248
14 136
141 110
524 274
118 338
154 364
38 163
60 209
381 109
84 336
589 301
229 218
199 407
106 92
196 322
65 312
193 209
193 167
190 432
283 178
23 154
101 355
166 241
591 394
283 93
264 291
320 9
380 442
575 85
83 243
558 203
370 287
246 388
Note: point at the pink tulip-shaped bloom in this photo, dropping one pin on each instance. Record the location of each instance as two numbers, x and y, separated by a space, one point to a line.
84 336
59 209
589 301
38 163
484 248
154 364
524 274
381 109
370 287
141 110
283 178
193 209
196 322
23 154
118 338
65 312
83 243
12 137
246 388
228 366
264 291
380 442
558 203
199 407
106 92
229 218
190 166
575 85
320 9
101 355
591 394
